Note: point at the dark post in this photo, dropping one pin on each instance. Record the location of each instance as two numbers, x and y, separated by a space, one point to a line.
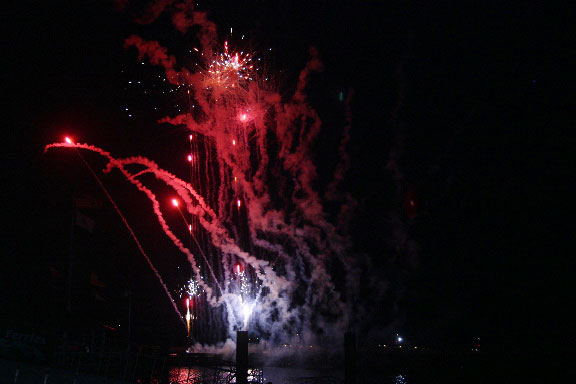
69 281
349 358
242 357
129 318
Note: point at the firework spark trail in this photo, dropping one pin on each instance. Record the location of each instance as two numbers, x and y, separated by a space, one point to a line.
128 226
296 123
120 164
184 191
251 195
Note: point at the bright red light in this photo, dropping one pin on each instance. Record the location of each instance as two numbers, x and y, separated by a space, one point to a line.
68 140
190 228
175 202
243 117
187 303
238 268
239 203
190 158
190 137
233 142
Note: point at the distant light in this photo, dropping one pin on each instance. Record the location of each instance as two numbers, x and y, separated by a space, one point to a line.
239 203
341 96
68 140
190 137
233 142
243 117
175 202
190 158
399 339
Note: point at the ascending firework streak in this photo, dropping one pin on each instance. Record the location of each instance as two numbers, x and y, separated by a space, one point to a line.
188 316
246 306
68 141
250 200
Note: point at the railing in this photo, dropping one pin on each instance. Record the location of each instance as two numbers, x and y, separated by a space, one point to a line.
145 365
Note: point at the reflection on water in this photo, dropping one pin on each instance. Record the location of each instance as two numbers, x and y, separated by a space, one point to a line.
276 375
399 379
286 375
206 375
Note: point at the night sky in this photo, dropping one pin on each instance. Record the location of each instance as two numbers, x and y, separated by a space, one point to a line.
465 109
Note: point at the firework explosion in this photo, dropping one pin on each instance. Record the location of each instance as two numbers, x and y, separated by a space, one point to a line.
229 70
261 249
